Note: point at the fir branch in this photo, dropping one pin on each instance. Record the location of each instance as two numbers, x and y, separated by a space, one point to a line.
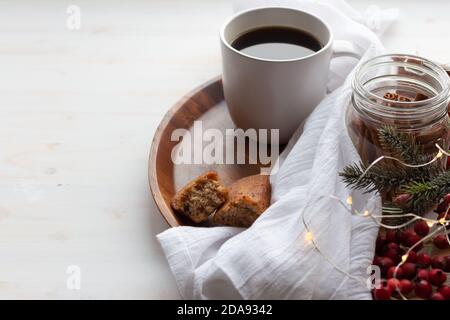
401 144
426 185
427 193
404 146
378 178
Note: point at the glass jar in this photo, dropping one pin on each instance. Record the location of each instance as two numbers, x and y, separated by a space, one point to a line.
409 94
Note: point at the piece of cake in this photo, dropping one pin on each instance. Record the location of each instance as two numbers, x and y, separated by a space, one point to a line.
201 197
248 198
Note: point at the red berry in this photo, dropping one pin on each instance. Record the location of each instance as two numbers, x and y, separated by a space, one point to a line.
444 214
382 293
445 291
421 228
412 257
423 289
379 244
404 235
392 246
423 274
441 242
437 296
412 240
438 262
392 236
393 285
442 207
377 260
402 200
437 277
423 260
391 272
446 198
406 286
393 254
447 264
385 264
408 270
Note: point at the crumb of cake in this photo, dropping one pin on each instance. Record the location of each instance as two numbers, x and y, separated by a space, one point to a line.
201 197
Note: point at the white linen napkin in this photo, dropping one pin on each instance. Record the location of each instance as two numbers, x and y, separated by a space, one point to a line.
272 259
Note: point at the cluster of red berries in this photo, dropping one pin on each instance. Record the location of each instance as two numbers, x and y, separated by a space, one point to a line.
419 272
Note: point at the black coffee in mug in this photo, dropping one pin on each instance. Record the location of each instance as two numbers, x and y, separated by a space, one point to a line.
277 43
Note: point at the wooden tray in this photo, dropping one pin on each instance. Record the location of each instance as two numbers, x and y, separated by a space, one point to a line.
205 103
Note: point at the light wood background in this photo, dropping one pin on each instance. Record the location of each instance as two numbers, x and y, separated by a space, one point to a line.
78 110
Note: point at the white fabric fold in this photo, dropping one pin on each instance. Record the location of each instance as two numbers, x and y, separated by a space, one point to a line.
272 259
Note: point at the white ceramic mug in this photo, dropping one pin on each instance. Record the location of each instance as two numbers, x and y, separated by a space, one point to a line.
275 94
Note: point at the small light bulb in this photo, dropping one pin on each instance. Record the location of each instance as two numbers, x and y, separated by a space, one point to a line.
430 223
404 257
350 200
442 221
439 155
366 213
309 236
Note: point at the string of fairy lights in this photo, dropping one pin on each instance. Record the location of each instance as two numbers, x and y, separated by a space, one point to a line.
440 224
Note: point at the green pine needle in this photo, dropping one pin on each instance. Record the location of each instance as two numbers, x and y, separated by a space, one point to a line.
379 177
427 193
400 144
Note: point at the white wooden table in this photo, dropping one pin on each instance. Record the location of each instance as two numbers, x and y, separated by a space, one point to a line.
78 110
